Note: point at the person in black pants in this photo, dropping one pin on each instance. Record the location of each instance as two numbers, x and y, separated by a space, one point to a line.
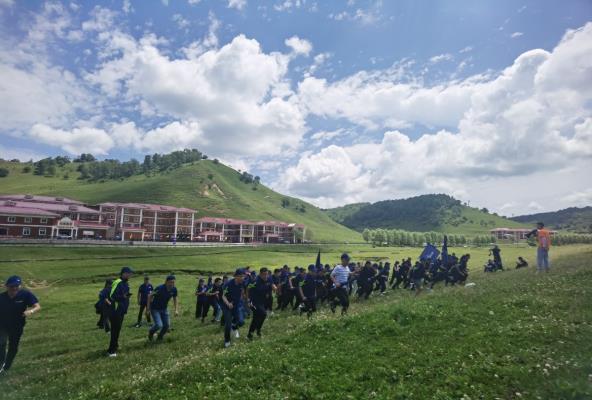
308 291
201 293
102 306
143 292
16 305
119 299
365 280
258 294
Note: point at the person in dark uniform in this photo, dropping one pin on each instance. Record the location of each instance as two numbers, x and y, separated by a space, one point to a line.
143 291
521 263
365 281
158 302
16 305
201 295
119 299
308 291
102 306
297 282
213 295
259 292
497 257
232 305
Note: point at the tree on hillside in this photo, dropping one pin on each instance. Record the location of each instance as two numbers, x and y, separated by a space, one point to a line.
4 172
366 235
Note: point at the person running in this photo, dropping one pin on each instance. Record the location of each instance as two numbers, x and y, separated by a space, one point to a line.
232 306
213 295
543 237
417 274
308 291
259 290
201 294
143 291
340 278
365 281
297 282
119 300
102 306
158 302
16 304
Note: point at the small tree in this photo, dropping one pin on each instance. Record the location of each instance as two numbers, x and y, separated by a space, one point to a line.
4 172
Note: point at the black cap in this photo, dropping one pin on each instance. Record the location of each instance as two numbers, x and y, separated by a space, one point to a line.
239 271
345 256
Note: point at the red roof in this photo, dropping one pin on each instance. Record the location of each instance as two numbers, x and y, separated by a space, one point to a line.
53 207
40 199
225 221
150 207
15 210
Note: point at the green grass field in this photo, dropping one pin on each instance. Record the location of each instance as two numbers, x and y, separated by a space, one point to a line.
513 335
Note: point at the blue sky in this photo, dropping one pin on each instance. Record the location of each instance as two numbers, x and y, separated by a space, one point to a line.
332 101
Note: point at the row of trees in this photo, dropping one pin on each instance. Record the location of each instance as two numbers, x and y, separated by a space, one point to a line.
92 169
398 237
570 238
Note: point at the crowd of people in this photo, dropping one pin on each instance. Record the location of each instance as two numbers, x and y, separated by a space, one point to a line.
251 294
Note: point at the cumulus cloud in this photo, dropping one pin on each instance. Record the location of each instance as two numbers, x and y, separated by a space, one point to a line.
516 35
299 46
231 92
441 57
75 141
533 117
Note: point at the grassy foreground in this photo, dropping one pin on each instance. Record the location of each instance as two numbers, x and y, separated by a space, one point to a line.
513 335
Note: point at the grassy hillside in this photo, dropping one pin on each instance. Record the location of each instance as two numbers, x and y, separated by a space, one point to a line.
514 335
573 219
212 189
433 212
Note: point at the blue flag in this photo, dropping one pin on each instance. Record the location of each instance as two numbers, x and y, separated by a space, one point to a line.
445 251
430 252
318 264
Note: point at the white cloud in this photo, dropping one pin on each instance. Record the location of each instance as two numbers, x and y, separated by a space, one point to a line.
581 198
516 34
102 19
75 141
165 2
6 3
441 57
231 92
299 46
127 6
193 2
182 23
365 16
466 49
238 4
535 117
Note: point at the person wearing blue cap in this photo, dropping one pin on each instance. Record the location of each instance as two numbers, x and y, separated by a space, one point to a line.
232 305
119 299
16 305
143 291
158 302
340 278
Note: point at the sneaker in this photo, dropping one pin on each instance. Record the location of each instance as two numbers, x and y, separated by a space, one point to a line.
112 354
226 344
236 334
138 325
2 370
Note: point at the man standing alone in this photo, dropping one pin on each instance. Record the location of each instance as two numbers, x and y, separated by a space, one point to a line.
543 237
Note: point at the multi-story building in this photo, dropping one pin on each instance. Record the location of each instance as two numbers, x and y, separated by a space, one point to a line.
512 233
208 229
138 221
49 217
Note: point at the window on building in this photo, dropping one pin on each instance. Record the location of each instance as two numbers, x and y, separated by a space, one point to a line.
11 219
26 231
28 220
43 220
42 232
3 231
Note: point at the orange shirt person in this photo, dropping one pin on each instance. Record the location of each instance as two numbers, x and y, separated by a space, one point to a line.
543 237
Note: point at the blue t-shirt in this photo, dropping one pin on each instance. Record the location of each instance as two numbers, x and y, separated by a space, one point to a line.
259 290
144 290
120 294
201 291
11 310
309 286
233 292
161 297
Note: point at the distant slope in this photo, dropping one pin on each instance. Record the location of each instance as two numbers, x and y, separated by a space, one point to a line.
573 219
433 212
211 188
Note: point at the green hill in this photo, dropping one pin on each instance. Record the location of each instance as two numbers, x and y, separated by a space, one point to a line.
573 219
432 212
209 187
